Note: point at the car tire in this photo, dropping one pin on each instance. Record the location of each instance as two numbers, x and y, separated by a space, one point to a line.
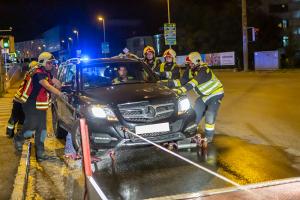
76 138
58 131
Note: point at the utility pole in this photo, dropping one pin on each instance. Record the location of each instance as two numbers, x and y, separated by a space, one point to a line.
245 36
169 16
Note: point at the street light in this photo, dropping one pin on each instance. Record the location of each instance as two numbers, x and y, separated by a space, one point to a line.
77 34
101 19
7 30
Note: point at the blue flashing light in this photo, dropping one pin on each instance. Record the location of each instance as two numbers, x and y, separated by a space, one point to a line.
85 59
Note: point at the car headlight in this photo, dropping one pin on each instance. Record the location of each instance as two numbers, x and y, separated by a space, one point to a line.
103 112
183 105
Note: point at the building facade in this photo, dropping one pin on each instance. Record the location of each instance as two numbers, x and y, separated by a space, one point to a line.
288 12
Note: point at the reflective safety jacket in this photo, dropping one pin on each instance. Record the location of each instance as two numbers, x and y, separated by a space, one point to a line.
155 64
204 83
168 71
118 80
188 75
26 87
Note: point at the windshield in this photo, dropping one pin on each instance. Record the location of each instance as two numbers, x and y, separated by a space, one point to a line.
115 73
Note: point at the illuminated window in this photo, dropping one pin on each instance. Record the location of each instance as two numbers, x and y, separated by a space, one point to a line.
284 23
285 41
297 31
296 14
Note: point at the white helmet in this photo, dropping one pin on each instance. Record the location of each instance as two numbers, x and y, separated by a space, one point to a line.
194 58
170 53
45 57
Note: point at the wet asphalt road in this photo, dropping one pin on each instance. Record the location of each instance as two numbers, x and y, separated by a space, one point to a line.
149 172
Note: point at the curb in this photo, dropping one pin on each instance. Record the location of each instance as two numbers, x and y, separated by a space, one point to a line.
20 184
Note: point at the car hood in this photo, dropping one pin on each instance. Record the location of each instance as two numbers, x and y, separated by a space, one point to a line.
126 93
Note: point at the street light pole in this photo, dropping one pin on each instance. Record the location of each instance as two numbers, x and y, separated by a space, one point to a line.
169 13
104 34
169 16
77 35
8 30
245 35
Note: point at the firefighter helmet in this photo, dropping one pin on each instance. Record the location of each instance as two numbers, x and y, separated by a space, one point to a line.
194 58
149 49
33 64
170 53
45 57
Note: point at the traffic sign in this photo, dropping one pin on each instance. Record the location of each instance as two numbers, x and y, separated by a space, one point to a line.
105 47
170 33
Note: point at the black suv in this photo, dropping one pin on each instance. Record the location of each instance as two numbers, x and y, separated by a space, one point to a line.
113 93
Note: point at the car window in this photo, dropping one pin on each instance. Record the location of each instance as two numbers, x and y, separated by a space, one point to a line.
62 73
108 74
70 74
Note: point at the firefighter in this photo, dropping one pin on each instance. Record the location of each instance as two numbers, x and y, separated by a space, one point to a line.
150 59
35 95
168 70
17 116
209 90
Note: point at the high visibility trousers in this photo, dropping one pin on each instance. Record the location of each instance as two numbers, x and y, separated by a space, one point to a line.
209 110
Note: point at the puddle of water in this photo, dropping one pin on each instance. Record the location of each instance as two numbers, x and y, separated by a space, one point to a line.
252 163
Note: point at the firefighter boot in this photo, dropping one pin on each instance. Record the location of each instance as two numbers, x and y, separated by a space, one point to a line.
40 153
10 129
18 141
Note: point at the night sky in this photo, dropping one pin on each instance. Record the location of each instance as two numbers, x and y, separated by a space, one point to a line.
31 18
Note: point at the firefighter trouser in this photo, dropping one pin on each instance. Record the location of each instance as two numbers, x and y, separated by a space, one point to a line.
35 120
17 117
209 109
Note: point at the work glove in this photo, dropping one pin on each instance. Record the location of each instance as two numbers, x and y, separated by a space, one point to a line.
64 97
178 91
163 83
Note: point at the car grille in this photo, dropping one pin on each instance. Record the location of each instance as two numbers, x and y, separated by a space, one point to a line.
146 112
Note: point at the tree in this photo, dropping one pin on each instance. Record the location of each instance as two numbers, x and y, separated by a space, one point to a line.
215 26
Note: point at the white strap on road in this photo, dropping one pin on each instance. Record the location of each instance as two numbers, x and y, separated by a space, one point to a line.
187 160
97 188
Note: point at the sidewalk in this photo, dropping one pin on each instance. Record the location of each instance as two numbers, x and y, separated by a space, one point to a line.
8 158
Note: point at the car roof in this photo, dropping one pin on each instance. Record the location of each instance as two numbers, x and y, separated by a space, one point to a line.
108 60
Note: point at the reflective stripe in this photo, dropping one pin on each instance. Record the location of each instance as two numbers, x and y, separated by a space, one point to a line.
212 88
194 83
216 93
42 107
169 74
203 86
210 127
162 67
177 83
10 126
42 104
183 89
26 89
23 99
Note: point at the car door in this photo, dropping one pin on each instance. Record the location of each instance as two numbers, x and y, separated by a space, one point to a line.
68 88
59 103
